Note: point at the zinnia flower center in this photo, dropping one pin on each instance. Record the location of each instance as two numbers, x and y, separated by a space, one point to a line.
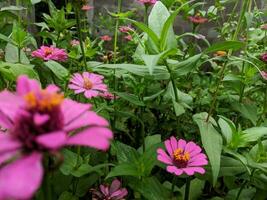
87 83
181 158
48 51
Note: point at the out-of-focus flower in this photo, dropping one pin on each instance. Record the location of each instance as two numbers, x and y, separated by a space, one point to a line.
182 157
112 192
87 7
128 37
220 53
50 53
126 29
264 57
39 122
88 83
74 43
26 50
263 75
106 38
197 19
148 2
109 96
264 27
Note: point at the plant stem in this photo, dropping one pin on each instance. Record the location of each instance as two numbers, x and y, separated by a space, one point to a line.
172 81
265 104
146 15
78 22
187 189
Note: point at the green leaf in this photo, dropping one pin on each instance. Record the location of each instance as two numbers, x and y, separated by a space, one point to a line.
70 161
196 187
224 46
12 8
85 168
247 111
253 134
67 196
124 169
212 142
12 55
61 72
126 153
231 167
131 98
227 128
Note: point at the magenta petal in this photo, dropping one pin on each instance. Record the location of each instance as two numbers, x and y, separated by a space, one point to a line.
26 85
174 143
52 140
119 194
115 185
71 110
104 190
5 121
89 118
40 119
6 156
174 170
191 170
7 143
21 178
95 137
163 157
91 93
169 147
181 143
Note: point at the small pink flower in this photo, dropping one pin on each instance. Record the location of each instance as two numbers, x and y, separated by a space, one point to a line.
263 75
74 43
182 157
264 57
88 83
87 7
128 37
112 192
39 122
109 96
125 29
50 53
264 27
197 19
148 2
106 38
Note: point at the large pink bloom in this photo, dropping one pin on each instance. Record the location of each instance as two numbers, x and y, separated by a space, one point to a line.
50 53
182 157
112 192
39 121
88 83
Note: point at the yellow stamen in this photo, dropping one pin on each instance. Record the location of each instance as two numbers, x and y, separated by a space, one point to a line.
87 83
180 155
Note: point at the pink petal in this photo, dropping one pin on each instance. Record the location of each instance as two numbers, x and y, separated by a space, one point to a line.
71 110
52 140
100 87
174 143
119 194
21 178
163 157
75 87
169 147
192 148
5 121
89 118
7 143
191 170
115 185
104 190
91 93
181 144
197 163
26 85
40 119
174 170
6 156
95 137
52 88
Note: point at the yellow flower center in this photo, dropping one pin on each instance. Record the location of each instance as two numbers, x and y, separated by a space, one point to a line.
46 100
87 84
48 51
181 156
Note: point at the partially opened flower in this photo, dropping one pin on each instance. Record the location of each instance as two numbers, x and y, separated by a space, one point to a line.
263 75
74 43
108 96
126 29
106 38
182 157
50 53
147 2
264 57
128 37
37 122
112 192
197 19
88 83
87 7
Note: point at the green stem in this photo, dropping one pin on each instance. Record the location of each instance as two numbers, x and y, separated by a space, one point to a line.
187 189
172 81
78 22
19 54
243 85
146 15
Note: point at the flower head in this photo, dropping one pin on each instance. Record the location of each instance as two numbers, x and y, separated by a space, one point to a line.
50 53
112 192
264 57
106 38
263 75
220 53
182 157
197 19
88 83
87 7
37 122
128 37
125 29
147 2
74 43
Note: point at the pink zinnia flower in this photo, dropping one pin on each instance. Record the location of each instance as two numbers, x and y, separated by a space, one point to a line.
87 7
112 192
182 157
125 29
40 122
128 37
50 53
88 83
74 43
147 2
264 57
263 75
106 38
197 19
